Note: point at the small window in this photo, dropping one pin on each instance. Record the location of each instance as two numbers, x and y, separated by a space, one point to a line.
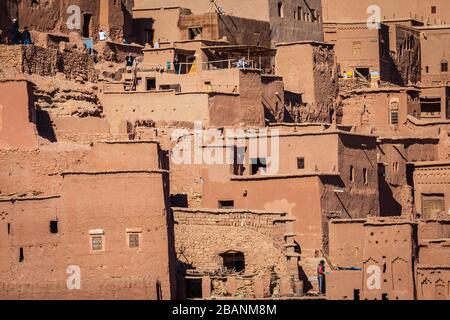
195 33
352 174
97 243
300 163
226 204
150 84
300 13
133 240
366 176
9 228
393 117
280 10
427 69
54 226
444 66
433 9
21 255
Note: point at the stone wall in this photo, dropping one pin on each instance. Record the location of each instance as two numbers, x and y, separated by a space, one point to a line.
76 65
202 235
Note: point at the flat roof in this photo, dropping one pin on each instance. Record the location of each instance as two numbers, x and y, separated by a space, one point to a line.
242 49
219 211
311 42
440 163
285 176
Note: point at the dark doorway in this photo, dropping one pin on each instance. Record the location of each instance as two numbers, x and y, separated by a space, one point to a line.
194 288
87 25
149 35
384 296
356 295
151 84
54 226
234 260
364 72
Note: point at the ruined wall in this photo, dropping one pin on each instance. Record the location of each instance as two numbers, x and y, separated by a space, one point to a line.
203 235
407 59
369 109
52 16
432 282
237 30
74 64
310 78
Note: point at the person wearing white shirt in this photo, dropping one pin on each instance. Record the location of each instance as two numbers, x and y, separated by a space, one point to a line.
102 36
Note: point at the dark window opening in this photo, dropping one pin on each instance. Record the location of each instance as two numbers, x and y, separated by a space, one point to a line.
381 170
194 33
356 295
444 66
9 228
149 35
194 289
86 25
173 87
433 9
226 204
430 107
150 84
133 240
234 260
352 174
54 226
300 163
366 176
21 256
259 164
427 69
280 10
363 72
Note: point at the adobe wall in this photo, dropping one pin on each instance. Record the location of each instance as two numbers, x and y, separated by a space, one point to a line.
370 109
202 235
309 72
110 211
435 48
355 46
133 106
235 29
433 229
346 242
431 178
335 10
434 252
389 245
52 16
432 282
343 284
17 116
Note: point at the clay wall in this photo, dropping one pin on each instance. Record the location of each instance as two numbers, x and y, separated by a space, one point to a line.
435 50
432 282
52 16
435 93
369 109
431 179
335 10
346 242
17 116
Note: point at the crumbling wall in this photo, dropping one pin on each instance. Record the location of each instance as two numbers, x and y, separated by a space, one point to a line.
202 235
76 65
